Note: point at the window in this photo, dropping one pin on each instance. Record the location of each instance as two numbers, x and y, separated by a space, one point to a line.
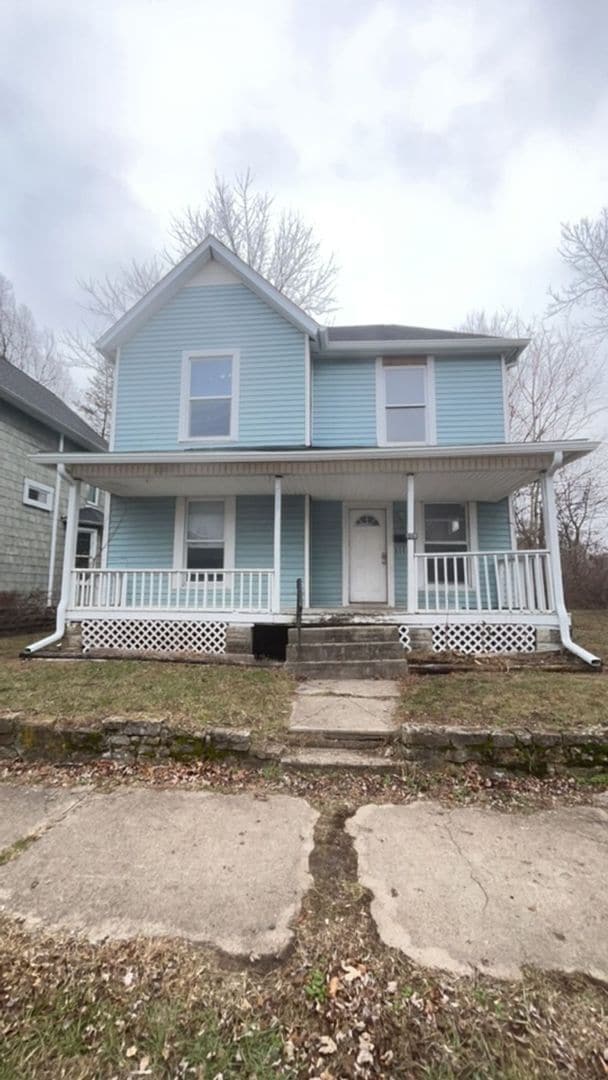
205 523
403 402
86 549
91 495
209 396
445 531
39 495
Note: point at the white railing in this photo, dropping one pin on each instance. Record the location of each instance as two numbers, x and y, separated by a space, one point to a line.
511 581
162 590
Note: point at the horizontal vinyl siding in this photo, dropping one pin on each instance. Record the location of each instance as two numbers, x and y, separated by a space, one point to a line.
344 402
254 548
400 554
493 526
469 401
325 553
272 369
141 533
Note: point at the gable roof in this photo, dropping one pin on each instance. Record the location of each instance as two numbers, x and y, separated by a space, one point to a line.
169 285
36 400
394 332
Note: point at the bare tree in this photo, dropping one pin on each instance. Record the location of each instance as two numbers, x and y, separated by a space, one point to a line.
553 394
96 401
584 249
279 244
30 348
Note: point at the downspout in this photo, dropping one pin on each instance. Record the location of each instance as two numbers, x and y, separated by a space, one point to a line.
552 540
68 559
54 526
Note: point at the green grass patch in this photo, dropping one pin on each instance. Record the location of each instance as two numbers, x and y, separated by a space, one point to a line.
194 695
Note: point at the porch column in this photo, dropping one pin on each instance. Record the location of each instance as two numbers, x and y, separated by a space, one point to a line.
412 585
69 547
276 594
552 537
307 551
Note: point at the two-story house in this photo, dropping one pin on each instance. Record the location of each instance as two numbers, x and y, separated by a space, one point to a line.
33 497
264 469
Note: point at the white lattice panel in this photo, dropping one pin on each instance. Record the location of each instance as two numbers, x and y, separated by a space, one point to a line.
404 638
154 635
475 639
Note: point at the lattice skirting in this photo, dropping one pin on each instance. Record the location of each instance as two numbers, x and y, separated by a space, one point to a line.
404 638
154 635
474 639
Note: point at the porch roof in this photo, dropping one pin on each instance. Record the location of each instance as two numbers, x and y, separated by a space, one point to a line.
483 472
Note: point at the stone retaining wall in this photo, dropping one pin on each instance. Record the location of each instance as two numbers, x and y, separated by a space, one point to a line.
534 752
121 739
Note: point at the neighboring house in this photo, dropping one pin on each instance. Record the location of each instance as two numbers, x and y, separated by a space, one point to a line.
33 500
253 450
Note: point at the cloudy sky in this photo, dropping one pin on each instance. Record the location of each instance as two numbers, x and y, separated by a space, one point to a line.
435 146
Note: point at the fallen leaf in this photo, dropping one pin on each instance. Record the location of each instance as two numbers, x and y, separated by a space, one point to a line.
327 1045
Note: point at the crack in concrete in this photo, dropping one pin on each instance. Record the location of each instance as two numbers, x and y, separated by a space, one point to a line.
465 859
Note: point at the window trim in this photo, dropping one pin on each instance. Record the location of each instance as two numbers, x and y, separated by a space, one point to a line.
472 542
95 501
181 518
50 491
93 547
426 362
184 409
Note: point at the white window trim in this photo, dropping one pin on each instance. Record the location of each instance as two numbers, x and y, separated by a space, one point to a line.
181 516
184 435
47 507
430 437
364 505
94 544
95 501
470 507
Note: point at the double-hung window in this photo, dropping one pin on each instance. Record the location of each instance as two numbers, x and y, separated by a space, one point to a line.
209 396
205 532
403 402
445 532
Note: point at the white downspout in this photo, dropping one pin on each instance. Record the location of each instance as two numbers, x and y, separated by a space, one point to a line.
552 541
69 553
54 526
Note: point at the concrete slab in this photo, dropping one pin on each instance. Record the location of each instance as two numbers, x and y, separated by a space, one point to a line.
359 715
27 810
356 688
227 870
319 757
470 889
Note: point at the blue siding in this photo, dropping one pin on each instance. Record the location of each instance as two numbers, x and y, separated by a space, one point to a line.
400 554
272 375
493 528
141 533
344 402
325 553
254 547
469 401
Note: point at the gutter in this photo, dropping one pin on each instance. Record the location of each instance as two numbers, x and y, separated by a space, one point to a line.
563 617
59 630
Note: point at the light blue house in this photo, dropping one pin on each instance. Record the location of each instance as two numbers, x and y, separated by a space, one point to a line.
264 469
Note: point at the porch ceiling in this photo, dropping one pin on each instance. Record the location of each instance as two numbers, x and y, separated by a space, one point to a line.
460 473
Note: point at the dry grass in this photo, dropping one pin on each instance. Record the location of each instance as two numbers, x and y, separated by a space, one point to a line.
590 629
197 695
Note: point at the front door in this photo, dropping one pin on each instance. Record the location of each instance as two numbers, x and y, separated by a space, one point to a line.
367 559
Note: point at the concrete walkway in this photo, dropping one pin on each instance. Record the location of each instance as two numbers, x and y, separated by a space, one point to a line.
227 870
363 708
468 889
461 889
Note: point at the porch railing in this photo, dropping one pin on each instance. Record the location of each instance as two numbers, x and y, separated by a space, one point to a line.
161 590
510 581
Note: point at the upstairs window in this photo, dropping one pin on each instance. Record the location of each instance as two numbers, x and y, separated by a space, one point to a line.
403 402
209 396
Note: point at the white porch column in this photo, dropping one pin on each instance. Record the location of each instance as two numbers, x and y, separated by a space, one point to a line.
69 547
54 530
412 585
552 537
276 595
307 551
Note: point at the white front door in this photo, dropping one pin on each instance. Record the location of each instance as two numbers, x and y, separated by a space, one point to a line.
367 556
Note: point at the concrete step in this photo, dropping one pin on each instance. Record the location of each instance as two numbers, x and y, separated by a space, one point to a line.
348 669
339 739
346 650
318 634
327 758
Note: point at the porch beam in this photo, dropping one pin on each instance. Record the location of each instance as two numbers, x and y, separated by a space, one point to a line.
410 523
278 499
